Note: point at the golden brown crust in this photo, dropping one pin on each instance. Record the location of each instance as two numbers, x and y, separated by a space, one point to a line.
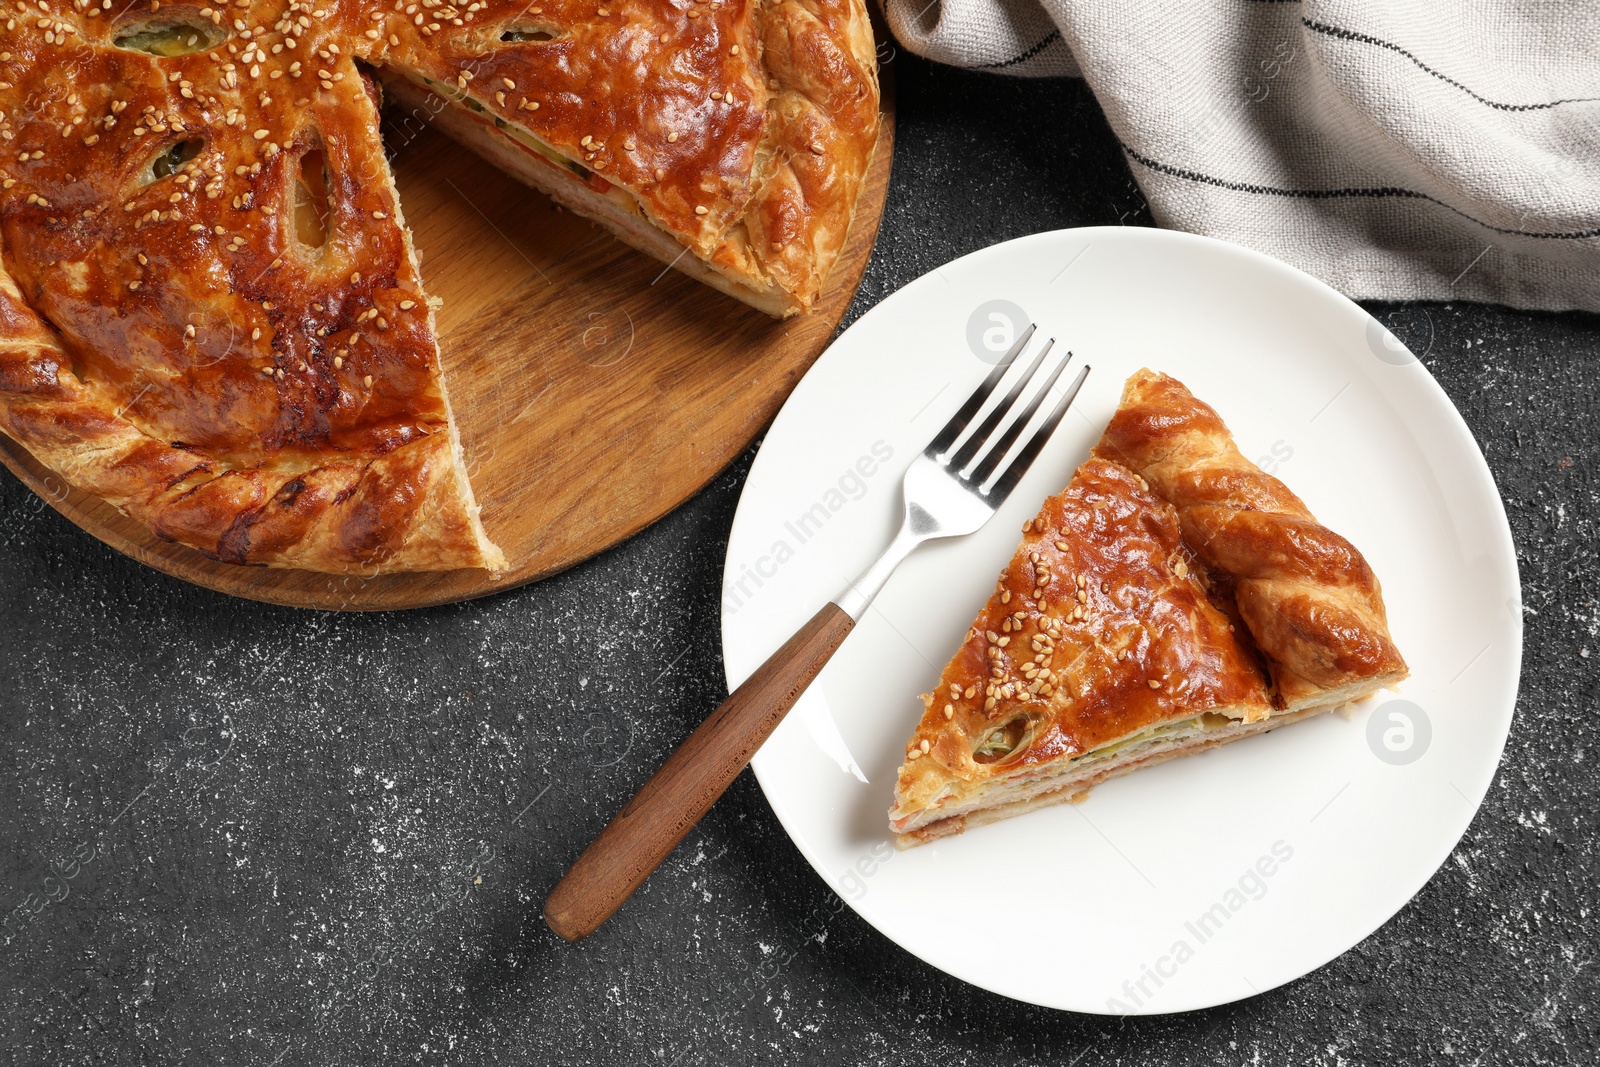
742 129
183 337
408 509
222 374
1099 628
1170 540
1308 596
823 129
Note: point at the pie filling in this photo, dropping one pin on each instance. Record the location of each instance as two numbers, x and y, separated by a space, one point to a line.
1207 720
169 37
534 146
577 187
1042 778
962 805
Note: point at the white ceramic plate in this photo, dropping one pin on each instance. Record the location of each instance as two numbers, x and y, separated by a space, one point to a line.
1196 882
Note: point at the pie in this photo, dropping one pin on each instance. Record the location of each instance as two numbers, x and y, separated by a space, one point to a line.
1173 598
211 313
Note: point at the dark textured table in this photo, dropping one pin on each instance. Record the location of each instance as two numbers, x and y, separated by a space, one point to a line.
258 836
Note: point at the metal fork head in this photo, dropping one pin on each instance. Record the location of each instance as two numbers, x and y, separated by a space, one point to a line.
953 490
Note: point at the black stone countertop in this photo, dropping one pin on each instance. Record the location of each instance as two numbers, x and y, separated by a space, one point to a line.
295 838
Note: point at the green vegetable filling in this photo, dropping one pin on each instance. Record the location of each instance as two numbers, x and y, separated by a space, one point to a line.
171 40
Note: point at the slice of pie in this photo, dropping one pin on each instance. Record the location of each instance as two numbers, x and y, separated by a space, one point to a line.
1174 597
211 314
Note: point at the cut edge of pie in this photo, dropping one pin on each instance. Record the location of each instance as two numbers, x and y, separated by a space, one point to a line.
518 153
1174 597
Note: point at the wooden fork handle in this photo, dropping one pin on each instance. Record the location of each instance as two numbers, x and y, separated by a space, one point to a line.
661 814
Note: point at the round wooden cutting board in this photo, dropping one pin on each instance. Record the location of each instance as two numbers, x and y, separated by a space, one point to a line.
595 389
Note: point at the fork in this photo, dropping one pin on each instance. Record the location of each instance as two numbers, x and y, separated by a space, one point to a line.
946 494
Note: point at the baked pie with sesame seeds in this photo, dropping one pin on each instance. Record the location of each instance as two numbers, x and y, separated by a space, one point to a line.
1172 598
211 312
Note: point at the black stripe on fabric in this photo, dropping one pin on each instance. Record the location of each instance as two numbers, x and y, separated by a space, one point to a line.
1050 38
1376 193
1362 38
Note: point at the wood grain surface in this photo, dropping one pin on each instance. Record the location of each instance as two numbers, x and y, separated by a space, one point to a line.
595 389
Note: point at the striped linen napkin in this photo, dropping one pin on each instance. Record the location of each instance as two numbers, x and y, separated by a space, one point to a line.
1397 149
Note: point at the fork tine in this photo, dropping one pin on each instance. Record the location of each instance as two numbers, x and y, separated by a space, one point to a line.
958 422
981 472
1013 474
980 436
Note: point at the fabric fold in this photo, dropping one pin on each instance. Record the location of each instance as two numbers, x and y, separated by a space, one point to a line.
1398 151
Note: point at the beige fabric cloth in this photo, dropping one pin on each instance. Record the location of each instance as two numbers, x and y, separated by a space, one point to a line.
1397 149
